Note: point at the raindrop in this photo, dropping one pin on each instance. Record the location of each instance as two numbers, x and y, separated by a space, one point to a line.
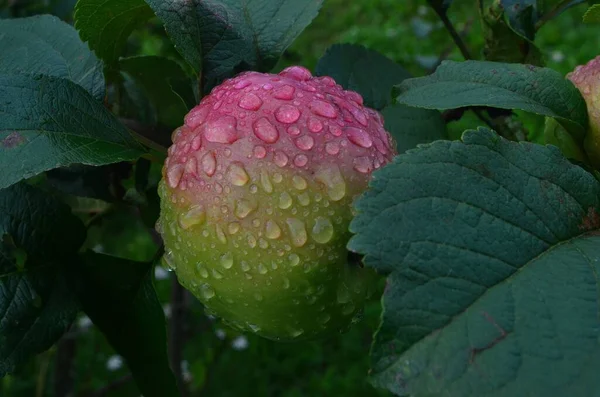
332 148
238 175
363 165
297 231
297 73
191 166
299 182
286 283
196 117
266 182
294 333
222 130
220 234
300 160
243 208
322 231
251 240
216 274
209 163
245 266
294 260
207 291
324 318
242 84
174 175
227 260
285 93
285 200
260 152
262 269
281 159
314 125
258 297
293 130
287 114
265 131
194 216
324 109
305 142
250 102
233 227
348 308
343 295
359 137
277 177
272 230
202 271
332 178
304 199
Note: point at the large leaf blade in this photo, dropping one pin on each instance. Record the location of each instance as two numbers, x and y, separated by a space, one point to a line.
44 44
106 24
49 122
223 38
38 235
126 309
491 250
353 67
532 89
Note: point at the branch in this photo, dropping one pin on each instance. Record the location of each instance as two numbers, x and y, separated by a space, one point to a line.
559 8
450 28
63 376
177 334
104 391
155 137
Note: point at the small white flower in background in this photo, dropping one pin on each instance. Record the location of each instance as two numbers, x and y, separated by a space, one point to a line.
240 343
558 56
84 322
220 333
167 309
160 273
114 363
185 371
211 317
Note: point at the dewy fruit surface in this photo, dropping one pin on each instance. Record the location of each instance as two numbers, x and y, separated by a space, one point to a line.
587 79
256 201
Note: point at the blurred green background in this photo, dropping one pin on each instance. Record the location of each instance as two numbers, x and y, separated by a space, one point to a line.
217 361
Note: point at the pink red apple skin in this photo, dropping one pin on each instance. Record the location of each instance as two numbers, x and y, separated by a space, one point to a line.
587 79
256 201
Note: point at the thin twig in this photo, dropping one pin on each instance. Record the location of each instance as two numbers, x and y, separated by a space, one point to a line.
104 391
63 375
177 334
157 138
455 36
559 8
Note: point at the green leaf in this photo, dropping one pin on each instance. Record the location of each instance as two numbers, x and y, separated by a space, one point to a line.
536 90
154 76
50 122
38 236
106 24
412 126
102 182
226 37
44 44
592 15
522 16
491 248
119 297
353 67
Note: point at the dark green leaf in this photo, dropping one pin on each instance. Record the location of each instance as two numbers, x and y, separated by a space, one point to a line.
226 37
491 248
154 75
38 236
103 183
45 45
106 24
354 67
502 85
49 122
412 126
522 16
592 15
119 297
442 5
